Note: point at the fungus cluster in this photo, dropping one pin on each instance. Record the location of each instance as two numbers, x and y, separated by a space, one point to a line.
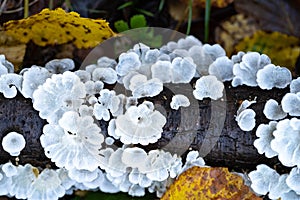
73 104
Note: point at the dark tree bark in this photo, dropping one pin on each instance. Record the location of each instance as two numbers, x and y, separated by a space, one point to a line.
210 127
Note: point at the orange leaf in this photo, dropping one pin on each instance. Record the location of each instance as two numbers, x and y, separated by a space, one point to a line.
207 183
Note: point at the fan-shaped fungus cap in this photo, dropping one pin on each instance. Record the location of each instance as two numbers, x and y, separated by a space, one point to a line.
32 79
5 66
59 28
9 83
273 111
222 68
106 75
141 87
162 70
9 169
295 85
264 132
208 86
139 124
246 119
293 180
46 186
59 66
263 178
13 143
286 141
128 62
5 182
60 93
273 76
106 62
245 71
183 70
290 104
179 100
74 143
134 157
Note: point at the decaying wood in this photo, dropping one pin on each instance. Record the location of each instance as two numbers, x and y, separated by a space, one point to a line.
210 127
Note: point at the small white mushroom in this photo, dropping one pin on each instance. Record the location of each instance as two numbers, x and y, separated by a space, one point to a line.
246 119
9 83
208 87
273 111
13 143
264 132
179 100
82 175
83 75
293 180
59 66
141 87
128 62
32 79
106 75
295 85
192 159
188 42
245 71
162 70
273 76
286 142
238 57
134 157
290 104
263 178
106 62
5 65
5 181
222 68
9 169
183 70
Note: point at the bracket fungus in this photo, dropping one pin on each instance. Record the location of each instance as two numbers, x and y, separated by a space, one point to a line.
245 71
13 143
9 83
59 66
139 125
273 76
290 103
179 100
208 87
273 111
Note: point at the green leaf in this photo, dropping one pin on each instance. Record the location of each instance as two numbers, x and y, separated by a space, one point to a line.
138 21
121 26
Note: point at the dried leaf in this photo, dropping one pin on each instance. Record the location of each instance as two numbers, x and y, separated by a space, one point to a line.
206 183
281 48
230 32
281 15
54 27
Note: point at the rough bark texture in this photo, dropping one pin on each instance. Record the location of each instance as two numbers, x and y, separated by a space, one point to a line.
211 129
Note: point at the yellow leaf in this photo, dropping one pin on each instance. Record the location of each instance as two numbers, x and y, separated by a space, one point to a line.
230 32
55 27
209 183
281 48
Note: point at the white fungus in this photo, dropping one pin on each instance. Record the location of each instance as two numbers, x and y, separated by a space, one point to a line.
273 76
5 182
245 71
140 125
264 132
106 62
246 119
162 70
208 87
134 157
60 93
5 65
286 141
179 100
74 143
295 85
9 169
263 178
82 175
106 75
32 79
273 111
222 68
290 104
9 83
83 75
59 66
293 180
141 87
183 70
128 62
46 186
13 143
192 159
